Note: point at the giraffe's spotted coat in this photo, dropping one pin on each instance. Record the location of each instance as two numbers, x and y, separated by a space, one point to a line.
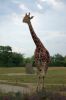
41 54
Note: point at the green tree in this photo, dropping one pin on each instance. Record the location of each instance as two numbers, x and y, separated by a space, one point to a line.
5 49
5 53
65 61
9 58
58 57
17 59
57 60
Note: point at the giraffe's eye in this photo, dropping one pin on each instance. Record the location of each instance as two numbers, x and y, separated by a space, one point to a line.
40 70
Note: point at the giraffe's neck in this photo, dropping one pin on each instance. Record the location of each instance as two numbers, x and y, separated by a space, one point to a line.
34 36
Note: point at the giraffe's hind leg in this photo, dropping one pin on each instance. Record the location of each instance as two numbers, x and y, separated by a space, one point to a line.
39 80
38 83
44 71
43 82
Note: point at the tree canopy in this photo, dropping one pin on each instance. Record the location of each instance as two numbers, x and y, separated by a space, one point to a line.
9 58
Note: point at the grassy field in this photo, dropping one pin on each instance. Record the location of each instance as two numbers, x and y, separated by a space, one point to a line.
12 70
55 75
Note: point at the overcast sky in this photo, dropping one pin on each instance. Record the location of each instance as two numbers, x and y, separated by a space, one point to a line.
49 23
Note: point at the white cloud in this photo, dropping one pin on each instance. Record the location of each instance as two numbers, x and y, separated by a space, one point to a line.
56 4
23 7
52 34
15 18
39 6
42 0
15 1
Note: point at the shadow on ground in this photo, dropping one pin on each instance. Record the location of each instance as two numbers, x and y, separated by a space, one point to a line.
38 95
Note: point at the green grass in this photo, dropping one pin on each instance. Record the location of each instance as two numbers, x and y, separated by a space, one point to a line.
54 76
12 70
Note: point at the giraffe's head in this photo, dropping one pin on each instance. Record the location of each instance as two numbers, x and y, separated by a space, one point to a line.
27 18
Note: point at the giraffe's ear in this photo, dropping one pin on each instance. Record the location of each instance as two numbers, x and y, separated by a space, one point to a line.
31 17
29 14
26 14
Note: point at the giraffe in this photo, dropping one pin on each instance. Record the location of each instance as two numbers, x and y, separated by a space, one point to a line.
41 54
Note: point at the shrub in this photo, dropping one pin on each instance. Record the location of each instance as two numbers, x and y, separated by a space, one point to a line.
29 68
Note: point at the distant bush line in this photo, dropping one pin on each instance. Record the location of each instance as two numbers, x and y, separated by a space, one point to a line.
8 58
